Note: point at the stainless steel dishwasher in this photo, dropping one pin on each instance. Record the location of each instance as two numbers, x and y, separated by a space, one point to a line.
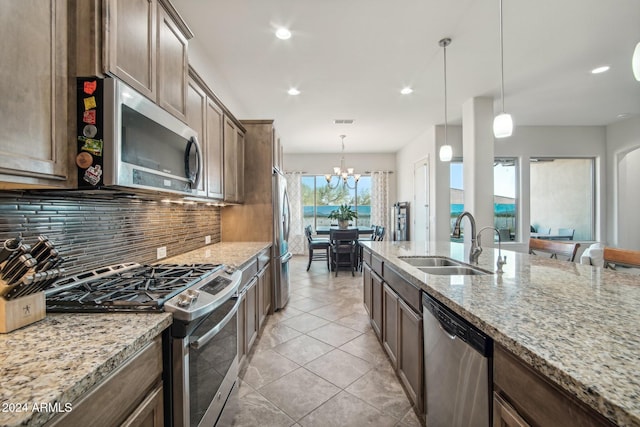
457 369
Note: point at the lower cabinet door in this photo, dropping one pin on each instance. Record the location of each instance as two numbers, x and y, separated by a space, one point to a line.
411 353
390 319
251 314
366 277
376 304
150 413
504 415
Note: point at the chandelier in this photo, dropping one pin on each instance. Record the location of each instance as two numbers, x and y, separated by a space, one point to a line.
342 173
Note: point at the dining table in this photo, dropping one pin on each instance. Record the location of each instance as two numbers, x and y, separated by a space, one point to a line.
551 236
362 230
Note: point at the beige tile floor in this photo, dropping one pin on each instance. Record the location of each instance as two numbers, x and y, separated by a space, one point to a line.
318 362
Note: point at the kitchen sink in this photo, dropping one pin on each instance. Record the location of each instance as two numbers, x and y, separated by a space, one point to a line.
429 261
451 270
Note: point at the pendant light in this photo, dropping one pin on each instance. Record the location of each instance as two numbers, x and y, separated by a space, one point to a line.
502 123
635 62
446 152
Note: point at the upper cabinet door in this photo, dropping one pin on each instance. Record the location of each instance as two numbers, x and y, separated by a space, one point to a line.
34 83
130 43
172 66
195 115
215 150
230 161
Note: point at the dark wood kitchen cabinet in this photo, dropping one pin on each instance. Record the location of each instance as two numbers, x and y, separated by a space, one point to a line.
376 304
233 162
411 353
523 397
251 315
142 42
390 328
205 116
394 307
34 112
264 287
366 287
131 396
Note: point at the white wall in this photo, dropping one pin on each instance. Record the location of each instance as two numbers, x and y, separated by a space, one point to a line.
206 68
526 142
622 205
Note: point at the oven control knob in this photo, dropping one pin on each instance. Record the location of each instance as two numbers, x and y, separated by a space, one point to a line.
184 300
193 295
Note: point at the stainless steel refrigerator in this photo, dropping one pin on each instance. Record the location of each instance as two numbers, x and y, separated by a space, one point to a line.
281 227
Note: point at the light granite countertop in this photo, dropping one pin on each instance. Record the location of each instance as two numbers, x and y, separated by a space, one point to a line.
578 325
231 253
56 360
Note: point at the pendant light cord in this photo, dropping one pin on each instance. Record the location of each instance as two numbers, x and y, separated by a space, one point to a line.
445 94
501 60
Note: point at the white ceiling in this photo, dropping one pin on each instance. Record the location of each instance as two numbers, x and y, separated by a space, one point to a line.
350 58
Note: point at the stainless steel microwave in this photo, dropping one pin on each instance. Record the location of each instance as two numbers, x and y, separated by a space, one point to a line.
125 140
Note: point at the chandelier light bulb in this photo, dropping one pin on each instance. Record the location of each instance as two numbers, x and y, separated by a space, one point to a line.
502 125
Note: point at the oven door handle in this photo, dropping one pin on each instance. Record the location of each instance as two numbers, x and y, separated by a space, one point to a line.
203 340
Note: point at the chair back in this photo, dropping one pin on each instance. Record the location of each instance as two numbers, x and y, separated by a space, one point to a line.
379 233
343 236
566 232
307 233
543 230
554 248
624 257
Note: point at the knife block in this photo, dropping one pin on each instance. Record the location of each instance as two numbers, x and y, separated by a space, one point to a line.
20 312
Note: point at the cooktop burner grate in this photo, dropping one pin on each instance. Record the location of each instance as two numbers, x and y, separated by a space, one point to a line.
126 287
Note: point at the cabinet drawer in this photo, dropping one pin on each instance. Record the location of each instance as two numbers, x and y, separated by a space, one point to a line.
366 255
377 264
263 258
250 270
537 400
114 399
409 293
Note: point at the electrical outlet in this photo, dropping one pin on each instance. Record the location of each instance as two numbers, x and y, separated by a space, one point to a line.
162 252
207 240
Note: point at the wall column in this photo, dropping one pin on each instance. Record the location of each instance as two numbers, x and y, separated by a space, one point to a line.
478 156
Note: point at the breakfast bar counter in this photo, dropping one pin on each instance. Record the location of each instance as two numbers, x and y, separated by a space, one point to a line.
577 325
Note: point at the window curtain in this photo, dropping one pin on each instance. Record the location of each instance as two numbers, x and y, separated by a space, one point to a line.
296 233
380 200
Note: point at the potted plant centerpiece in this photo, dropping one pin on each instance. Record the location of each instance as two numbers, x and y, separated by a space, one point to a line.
343 214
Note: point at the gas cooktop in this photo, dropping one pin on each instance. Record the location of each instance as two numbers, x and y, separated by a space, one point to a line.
126 287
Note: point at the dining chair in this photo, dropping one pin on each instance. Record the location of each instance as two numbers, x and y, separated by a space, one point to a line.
554 247
344 249
566 233
379 233
615 257
318 248
543 230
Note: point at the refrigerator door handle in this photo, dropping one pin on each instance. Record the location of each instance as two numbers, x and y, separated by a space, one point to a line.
287 257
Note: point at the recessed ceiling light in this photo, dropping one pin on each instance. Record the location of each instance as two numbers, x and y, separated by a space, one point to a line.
293 91
283 34
600 69
623 115
406 90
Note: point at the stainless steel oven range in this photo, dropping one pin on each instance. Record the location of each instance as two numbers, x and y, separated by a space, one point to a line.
200 349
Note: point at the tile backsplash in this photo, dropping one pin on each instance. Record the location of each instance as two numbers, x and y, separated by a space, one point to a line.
90 233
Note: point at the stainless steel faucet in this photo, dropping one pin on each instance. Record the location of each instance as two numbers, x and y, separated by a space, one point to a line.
501 261
475 251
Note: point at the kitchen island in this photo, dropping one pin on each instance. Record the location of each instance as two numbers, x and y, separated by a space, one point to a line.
576 325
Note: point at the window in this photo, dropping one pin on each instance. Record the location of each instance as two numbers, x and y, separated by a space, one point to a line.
318 200
505 208
505 175
562 197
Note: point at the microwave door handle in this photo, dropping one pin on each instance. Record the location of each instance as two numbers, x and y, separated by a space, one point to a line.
194 178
